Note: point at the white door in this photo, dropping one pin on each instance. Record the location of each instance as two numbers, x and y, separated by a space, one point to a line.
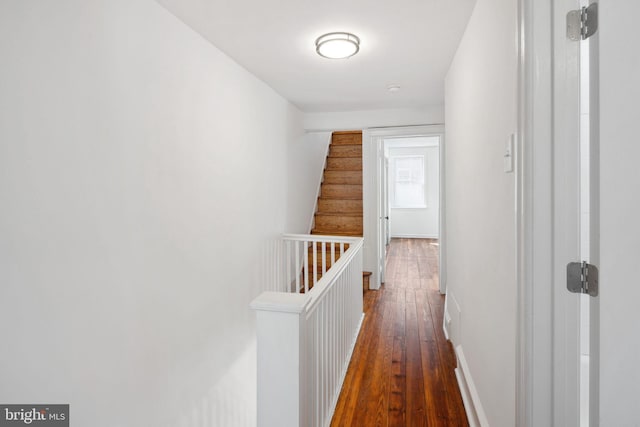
618 60
383 209
571 228
385 198
549 379
612 225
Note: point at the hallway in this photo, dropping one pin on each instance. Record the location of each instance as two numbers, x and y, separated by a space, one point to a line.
401 372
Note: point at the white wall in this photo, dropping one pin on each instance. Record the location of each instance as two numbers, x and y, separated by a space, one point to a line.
142 176
619 207
480 112
306 169
356 120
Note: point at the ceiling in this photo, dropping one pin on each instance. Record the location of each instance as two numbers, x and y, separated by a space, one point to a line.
409 43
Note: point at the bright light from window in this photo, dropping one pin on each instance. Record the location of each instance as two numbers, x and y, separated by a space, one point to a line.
408 182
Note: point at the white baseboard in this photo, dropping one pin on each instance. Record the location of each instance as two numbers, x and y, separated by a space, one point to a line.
414 236
447 319
470 397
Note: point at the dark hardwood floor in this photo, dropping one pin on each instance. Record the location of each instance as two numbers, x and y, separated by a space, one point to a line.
401 373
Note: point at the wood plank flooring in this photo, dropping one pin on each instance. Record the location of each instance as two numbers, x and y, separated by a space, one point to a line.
401 372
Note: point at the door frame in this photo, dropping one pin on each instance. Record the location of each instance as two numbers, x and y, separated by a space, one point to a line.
375 152
541 336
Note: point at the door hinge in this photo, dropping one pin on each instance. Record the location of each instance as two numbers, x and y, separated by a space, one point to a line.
582 23
582 278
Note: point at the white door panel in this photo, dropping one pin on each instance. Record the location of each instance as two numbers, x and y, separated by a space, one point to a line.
618 60
566 218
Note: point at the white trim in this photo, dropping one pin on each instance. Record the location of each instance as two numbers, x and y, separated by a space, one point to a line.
472 404
447 318
524 326
406 131
466 398
321 238
442 265
540 392
414 236
370 128
281 302
409 142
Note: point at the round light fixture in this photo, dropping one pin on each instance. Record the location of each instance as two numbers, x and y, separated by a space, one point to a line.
337 45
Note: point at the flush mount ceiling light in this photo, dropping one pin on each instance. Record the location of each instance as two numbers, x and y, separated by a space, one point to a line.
337 45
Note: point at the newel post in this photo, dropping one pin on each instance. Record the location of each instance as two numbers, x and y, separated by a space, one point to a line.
280 319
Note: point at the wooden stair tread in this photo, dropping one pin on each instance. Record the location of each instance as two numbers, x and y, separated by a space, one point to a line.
329 213
348 197
346 150
333 176
341 192
344 231
346 132
344 163
346 137
340 206
338 221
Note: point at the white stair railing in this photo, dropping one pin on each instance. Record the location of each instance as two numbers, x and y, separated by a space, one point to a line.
306 334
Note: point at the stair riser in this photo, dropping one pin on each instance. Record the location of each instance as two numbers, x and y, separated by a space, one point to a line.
365 282
342 177
339 223
345 151
346 138
344 163
339 206
331 191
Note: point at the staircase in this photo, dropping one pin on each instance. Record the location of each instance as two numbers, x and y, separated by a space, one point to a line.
339 206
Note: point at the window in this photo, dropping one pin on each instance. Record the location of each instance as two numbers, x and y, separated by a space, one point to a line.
408 182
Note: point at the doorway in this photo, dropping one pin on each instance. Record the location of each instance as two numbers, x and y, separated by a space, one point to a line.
408 189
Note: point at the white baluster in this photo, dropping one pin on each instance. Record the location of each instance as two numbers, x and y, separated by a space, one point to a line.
297 271
324 258
315 263
306 266
333 253
287 263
